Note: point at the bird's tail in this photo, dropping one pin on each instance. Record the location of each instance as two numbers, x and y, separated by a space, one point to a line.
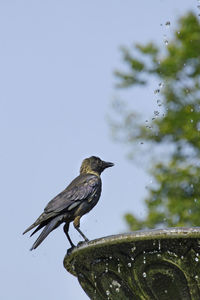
43 217
53 224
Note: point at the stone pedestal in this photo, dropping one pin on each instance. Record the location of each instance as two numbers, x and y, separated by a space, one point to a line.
146 265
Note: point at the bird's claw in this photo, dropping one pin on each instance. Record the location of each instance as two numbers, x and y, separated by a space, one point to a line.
69 251
82 243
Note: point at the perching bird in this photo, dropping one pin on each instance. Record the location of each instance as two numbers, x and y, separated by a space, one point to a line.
80 196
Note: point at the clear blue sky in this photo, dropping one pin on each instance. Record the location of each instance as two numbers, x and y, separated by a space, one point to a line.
56 72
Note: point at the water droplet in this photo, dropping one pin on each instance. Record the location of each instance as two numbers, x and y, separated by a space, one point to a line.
129 265
166 42
191 109
195 200
182 257
141 143
196 259
118 268
107 292
191 121
156 112
146 121
159 102
196 276
110 257
159 245
132 258
117 290
167 24
144 275
133 249
165 291
178 32
156 91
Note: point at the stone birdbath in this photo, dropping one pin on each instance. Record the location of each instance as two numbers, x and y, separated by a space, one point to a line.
143 265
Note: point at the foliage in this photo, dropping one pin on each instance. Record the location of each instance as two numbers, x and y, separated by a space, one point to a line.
175 198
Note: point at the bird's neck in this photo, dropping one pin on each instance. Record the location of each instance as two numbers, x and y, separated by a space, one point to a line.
95 173
86 170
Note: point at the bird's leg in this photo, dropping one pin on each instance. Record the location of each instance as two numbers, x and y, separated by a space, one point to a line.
77 225
66 228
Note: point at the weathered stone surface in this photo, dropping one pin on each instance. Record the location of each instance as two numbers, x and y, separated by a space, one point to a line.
147 265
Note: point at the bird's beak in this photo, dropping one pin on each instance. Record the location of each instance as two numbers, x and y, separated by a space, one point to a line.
107 164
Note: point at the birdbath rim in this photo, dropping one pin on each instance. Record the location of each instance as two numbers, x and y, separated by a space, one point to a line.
153 234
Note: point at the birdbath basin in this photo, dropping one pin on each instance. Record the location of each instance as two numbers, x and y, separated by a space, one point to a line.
148 265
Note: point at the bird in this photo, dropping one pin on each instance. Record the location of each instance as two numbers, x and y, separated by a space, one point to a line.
77 199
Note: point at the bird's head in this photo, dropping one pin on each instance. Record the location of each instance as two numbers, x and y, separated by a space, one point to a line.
94 165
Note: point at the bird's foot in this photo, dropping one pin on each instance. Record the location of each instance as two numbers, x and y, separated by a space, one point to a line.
69 251
81 243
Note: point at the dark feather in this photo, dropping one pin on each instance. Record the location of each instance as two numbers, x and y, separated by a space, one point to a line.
81 188
48 228
40 227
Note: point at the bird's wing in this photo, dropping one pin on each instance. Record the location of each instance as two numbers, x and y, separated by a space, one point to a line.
80 189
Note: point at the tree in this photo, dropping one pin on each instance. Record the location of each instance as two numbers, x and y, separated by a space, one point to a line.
174 200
